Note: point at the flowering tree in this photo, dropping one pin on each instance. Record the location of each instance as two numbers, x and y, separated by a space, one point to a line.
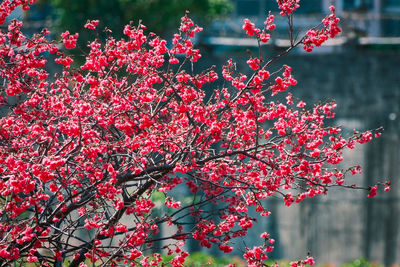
89 149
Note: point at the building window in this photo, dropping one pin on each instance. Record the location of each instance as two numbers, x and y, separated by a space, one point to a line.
248 8
357 4
392 6
310 6
261 7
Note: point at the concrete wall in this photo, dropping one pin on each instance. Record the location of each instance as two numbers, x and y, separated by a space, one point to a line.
365 82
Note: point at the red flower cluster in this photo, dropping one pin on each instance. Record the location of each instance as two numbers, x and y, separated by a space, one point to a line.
69 40
8 6
262 35
287 7
329 29
91 24
250 27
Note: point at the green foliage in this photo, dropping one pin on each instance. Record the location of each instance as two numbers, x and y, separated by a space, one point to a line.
204 259
159 15
362 263
197 259
158 197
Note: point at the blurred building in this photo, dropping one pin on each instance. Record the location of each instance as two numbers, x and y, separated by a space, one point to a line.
360 70
367 21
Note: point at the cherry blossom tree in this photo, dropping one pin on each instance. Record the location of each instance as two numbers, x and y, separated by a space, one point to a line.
95 147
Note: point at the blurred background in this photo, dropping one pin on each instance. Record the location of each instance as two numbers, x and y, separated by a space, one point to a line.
360 69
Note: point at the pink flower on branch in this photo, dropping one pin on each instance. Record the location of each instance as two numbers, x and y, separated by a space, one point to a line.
91 24
69 40
330 29
287 7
